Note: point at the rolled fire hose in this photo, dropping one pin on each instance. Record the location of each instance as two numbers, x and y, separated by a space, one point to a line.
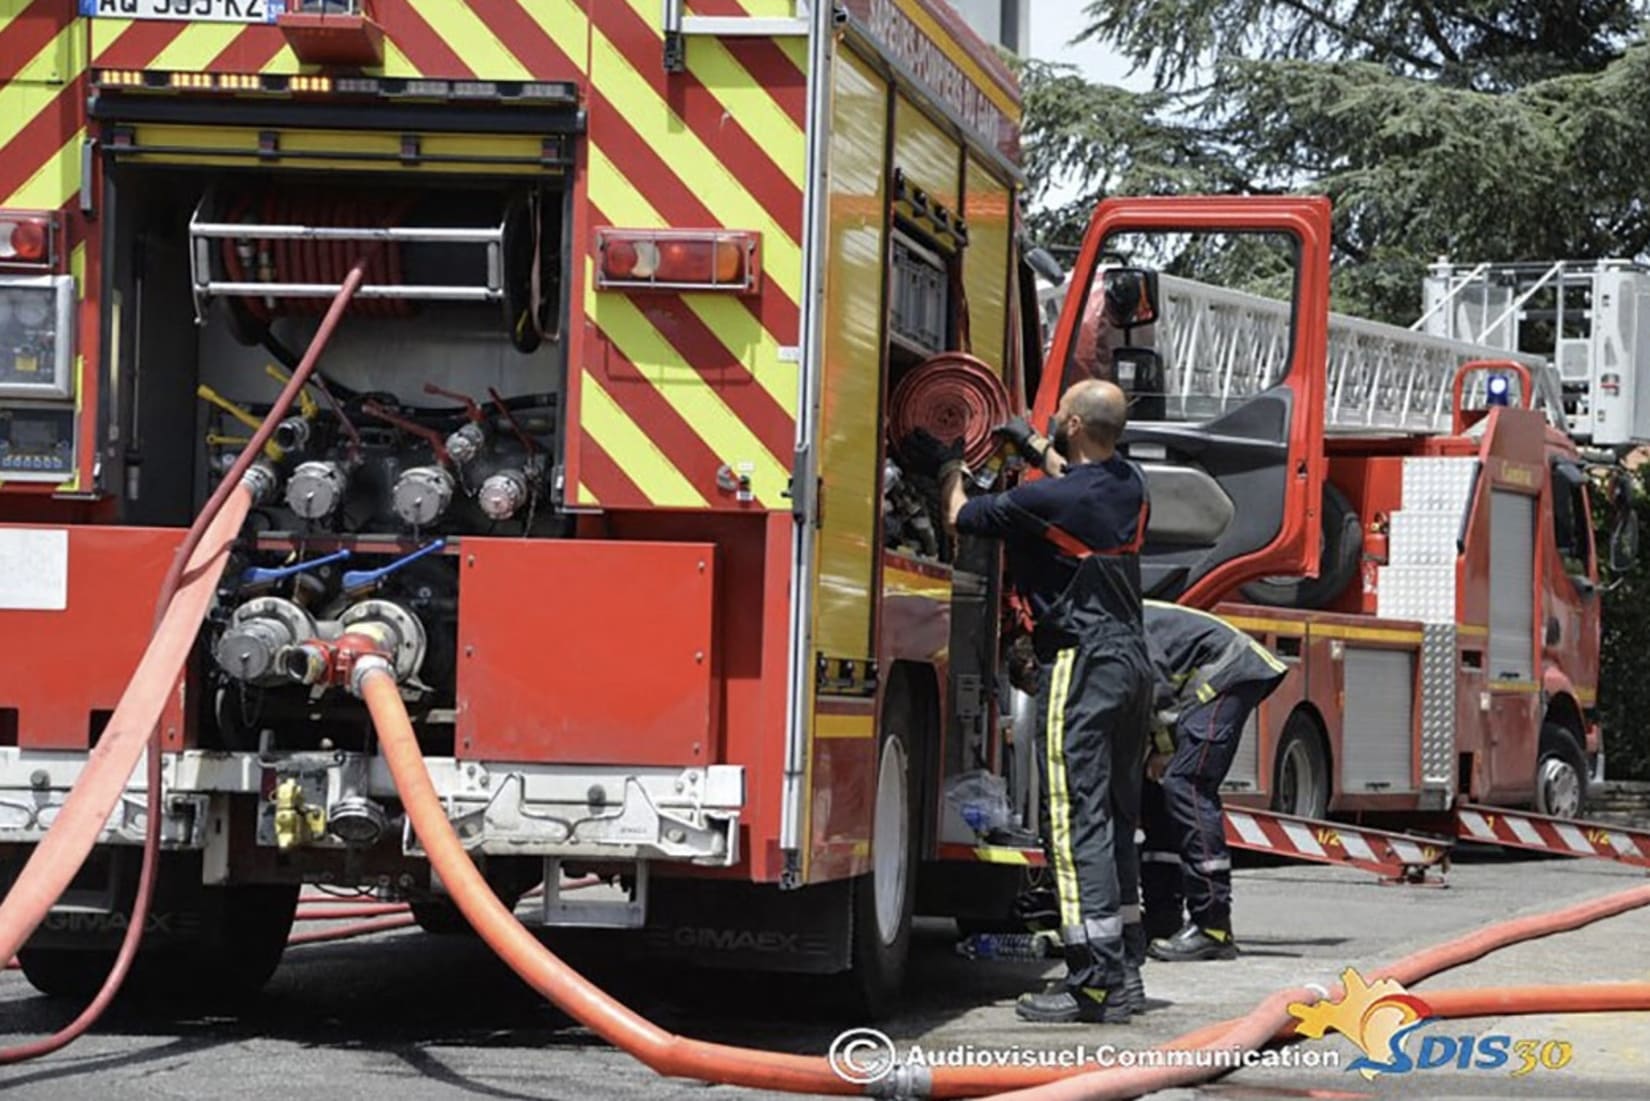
952 396
678 1056
186 595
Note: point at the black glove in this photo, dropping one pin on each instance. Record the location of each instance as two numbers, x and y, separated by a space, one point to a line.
922 453
1024 438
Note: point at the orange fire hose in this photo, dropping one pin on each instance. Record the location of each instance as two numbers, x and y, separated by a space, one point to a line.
678 1056
186 594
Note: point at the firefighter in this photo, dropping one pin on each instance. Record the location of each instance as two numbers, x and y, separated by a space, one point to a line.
1072 543
1210 677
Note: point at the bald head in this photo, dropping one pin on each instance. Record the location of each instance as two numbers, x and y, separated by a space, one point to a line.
1101 411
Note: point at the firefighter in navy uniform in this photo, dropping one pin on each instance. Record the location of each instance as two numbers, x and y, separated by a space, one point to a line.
1210 677
1072 543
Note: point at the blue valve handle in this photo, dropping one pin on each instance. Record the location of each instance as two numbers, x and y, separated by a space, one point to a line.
364 579
263 575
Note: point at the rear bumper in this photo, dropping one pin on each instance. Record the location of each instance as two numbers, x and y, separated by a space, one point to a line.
572 811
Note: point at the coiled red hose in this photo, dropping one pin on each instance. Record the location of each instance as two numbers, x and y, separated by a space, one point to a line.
952 396
315 261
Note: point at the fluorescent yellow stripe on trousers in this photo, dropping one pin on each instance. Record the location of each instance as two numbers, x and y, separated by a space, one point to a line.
1059 793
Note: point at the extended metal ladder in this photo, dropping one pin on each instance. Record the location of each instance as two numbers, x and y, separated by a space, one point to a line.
1590 318
1221 347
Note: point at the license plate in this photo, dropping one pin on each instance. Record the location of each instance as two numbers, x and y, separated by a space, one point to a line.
187 11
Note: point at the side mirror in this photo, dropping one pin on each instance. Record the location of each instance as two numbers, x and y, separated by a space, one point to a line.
1131 297
1044 264
1139 371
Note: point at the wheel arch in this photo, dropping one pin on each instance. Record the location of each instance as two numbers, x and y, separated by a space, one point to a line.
1311 713
1564 710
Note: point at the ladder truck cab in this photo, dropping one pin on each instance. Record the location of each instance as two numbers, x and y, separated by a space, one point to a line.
1444 637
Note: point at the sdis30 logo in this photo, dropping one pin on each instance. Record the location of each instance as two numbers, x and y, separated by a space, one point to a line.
1381 1017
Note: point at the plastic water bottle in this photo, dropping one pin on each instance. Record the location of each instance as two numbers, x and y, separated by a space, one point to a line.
1009 946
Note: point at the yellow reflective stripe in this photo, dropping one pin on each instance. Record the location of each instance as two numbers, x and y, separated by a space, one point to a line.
54 183
845 726
396 63
564 21
744 98
1364 634
642 461
40 81
1271 659
198 44
472 40
740 332
683 388
714 183
1059 794
1514 686
795 47
105 31
992 854
1205 693
583 496
284 61
750 344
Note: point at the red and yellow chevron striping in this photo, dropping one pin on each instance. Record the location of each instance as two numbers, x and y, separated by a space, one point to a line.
668 392
710 382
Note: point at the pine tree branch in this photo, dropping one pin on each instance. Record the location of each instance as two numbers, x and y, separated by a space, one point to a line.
1435 33
1351 33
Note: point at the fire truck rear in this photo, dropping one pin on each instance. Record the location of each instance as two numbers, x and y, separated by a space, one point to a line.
595 457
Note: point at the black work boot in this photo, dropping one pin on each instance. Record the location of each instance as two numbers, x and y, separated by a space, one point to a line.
1059 1005
1134 954
1194 942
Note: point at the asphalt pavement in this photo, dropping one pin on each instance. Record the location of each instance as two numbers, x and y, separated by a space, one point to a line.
409 1017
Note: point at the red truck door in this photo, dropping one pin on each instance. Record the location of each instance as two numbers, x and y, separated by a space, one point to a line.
1236 473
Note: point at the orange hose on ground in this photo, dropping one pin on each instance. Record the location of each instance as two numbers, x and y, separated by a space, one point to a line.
1270 1020
355 929
60 853
539 967
101 776
676 1056
339 913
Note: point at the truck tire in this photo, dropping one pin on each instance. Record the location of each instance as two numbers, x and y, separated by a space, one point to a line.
1560 773
65 972
884 901
247 926
1338 560
1300 771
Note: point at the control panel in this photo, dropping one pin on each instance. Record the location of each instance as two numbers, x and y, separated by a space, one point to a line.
37 443
37 404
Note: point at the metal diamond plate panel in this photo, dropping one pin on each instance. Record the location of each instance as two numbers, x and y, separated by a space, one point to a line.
1438 708
1424 593
1423 538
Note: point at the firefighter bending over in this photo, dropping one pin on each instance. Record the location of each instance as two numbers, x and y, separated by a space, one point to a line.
1210 678
1072 544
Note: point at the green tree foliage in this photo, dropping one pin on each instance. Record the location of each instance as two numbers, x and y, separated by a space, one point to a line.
1480 129
1623 689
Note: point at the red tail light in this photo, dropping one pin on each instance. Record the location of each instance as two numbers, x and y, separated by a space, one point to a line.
709 260
25 240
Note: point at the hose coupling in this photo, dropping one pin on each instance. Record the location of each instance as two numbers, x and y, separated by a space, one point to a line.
369 663
261 481
332 663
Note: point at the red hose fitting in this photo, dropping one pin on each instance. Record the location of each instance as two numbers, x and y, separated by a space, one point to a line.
339 662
